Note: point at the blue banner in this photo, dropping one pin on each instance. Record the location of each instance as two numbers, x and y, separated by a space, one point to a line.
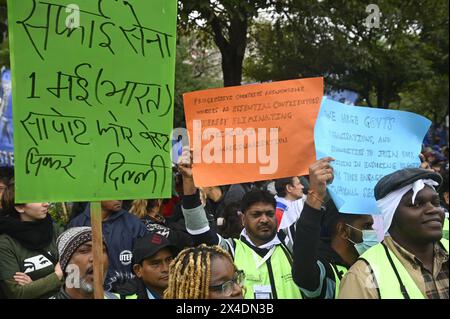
367 143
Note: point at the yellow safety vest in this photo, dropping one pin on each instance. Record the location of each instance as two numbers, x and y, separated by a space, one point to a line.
275 272
339 272
135 296
445 229
394 281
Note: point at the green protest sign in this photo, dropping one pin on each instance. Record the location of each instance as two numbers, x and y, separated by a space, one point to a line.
93 88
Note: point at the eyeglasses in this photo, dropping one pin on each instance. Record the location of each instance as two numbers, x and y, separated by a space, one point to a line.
227 287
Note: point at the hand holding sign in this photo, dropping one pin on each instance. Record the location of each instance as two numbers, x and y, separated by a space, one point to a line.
185 163
320 174
185 168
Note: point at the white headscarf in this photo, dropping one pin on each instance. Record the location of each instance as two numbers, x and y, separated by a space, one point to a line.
388 204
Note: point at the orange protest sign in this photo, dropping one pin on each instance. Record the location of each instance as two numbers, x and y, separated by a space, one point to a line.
253 132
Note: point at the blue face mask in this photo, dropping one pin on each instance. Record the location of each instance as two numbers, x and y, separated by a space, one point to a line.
370 239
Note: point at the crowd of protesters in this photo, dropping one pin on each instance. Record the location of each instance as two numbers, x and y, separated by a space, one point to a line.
280 239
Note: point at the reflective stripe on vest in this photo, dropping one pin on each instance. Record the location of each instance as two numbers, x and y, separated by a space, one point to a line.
110 295
339 272
388 283
281 274
119 296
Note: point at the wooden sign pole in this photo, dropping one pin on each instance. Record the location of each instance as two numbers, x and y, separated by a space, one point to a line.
97 249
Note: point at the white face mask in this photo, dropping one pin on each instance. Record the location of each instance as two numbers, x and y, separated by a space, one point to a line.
370 239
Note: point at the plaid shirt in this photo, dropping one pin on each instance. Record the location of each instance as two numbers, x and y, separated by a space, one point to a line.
436 282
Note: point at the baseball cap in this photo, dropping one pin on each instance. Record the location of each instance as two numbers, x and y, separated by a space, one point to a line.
149 245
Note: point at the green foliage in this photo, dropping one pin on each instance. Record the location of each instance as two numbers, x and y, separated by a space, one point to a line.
428 97
60 217
398 60
226 22
197 68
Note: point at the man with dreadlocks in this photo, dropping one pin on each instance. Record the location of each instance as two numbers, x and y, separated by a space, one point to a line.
264 254
204 272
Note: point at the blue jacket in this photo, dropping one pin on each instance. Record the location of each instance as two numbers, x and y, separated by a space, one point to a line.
120 231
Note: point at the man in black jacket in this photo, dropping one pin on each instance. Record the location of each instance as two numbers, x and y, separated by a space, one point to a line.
319 265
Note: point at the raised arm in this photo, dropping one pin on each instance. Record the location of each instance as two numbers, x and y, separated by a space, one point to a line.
195 218
307 271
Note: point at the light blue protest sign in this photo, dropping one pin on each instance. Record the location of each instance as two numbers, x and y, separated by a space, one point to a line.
367 143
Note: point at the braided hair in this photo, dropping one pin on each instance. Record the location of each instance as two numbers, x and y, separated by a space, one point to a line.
190 272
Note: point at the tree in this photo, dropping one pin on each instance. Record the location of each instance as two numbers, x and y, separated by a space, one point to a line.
227 23
330 38
428 97
197 68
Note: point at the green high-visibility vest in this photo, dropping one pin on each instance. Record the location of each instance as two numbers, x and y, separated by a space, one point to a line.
339 272
135 296
274 272
445 229
394 281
